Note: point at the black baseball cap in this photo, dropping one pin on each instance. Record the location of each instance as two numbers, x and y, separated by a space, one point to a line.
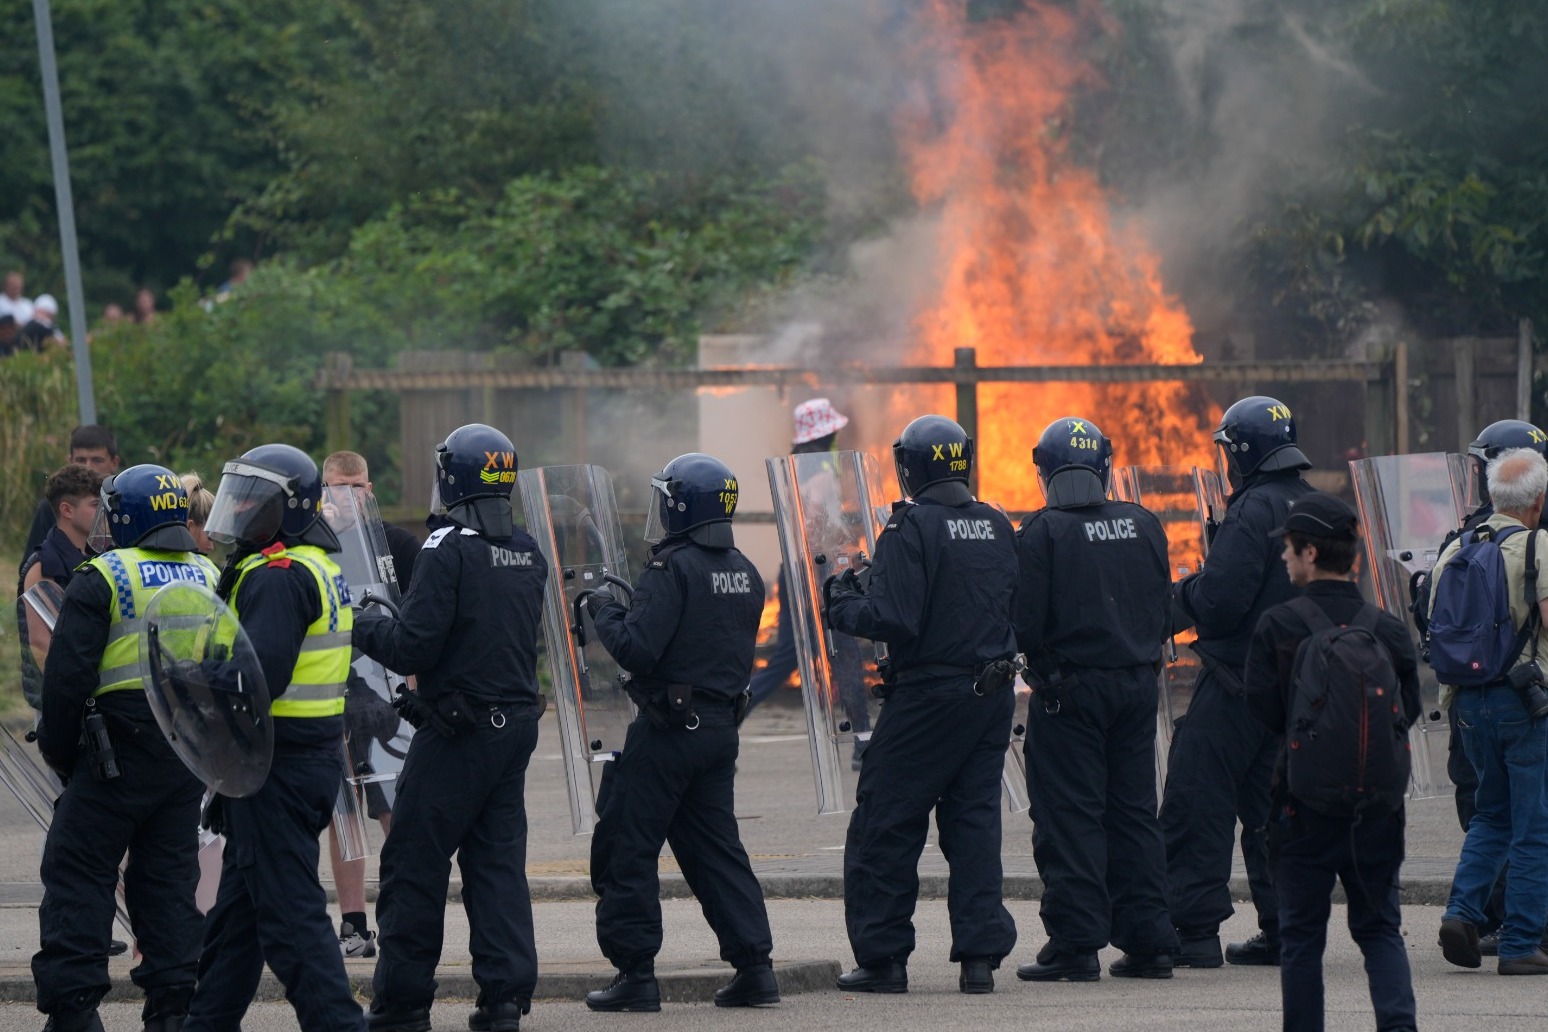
1320 515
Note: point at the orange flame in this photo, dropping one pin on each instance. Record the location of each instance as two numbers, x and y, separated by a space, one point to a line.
1034 267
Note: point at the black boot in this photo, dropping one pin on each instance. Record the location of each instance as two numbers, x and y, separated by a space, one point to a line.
165 1009
753 986
498 1017
634 990
880 978
1057 966
74 1021
397 1017
1198 951
977 977
1261 950
1142 965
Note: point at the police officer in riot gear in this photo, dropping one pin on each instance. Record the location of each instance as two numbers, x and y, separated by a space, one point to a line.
140 798
1091 615
294 605
1222 759
939 595
687 639
468 630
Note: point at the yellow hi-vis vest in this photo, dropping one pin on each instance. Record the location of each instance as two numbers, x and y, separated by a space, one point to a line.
135 575
317 685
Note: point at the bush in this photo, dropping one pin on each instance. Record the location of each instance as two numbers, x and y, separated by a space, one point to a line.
37 411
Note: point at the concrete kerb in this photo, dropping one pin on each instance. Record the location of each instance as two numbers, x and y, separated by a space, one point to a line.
685 985
831 886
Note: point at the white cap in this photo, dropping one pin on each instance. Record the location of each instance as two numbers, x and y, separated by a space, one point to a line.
816 419
47 302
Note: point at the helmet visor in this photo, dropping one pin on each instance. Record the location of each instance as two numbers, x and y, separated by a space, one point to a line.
437 507
660 498
250 505
100 538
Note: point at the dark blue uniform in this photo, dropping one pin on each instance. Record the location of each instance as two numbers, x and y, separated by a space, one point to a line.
1092 614
939 594
468 631
693 620
1222 759
271 909
151 810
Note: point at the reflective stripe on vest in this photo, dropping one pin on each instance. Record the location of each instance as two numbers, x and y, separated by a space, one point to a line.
322 669
124 569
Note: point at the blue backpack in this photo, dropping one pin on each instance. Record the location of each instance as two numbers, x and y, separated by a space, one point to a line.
1473 640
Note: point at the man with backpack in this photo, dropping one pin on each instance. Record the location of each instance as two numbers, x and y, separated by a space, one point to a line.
1338 678
1487 643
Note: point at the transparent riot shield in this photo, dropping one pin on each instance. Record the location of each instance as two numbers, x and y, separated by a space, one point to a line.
1408 504
1015 774
571 512
1189 502
35 786
828 522
376 737
206 689
37 610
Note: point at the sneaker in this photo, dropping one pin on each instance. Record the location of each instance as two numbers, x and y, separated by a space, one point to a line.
356 944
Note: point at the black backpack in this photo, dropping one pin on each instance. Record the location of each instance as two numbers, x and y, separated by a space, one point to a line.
1345 747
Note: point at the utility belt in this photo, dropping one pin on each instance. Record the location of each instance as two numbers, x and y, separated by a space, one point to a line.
670 706
988 677
453 713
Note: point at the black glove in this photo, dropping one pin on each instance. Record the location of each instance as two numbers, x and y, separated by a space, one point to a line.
410 708
596 600
213 819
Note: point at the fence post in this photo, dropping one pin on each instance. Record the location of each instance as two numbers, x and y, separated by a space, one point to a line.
336 406
1524 370
1380 392
967 403
1465 357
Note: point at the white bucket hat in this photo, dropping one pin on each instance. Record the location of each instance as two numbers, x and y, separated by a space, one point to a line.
816 419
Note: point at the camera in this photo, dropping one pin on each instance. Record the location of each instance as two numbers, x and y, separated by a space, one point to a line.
1527 680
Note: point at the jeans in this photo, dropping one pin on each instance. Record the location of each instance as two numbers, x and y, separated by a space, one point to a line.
1365 855
1509 750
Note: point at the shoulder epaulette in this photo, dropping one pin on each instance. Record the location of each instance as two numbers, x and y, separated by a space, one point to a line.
663 558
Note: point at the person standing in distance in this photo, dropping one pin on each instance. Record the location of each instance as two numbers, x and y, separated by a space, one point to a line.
1318 842
939 595
294 605
1091 616
687 639
1222 759
150 807
468 631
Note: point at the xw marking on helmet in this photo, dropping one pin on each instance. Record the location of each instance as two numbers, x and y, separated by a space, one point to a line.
939 450
1077 426
1279 412
167 482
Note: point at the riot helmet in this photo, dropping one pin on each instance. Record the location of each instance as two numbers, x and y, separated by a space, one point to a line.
1257 435
145 506
1498 437
272 492
932 450
696 495
1074 462
475 470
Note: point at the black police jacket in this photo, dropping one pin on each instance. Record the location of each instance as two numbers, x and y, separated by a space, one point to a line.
470 620
940 587
1244 575
1094 586
70 673
693 619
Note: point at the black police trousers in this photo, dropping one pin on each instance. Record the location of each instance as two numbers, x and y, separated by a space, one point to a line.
463 795
672 785
1365 855
1218 772
271 908
151 810
936 746
1091 777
